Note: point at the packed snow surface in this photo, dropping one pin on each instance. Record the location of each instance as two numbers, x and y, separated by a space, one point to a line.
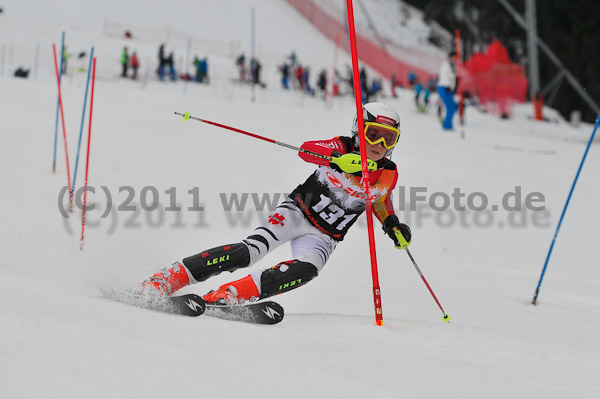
59 338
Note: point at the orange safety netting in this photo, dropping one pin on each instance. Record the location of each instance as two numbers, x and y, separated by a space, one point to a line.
495 80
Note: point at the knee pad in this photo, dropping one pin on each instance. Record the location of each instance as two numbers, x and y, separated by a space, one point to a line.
227 258
285 277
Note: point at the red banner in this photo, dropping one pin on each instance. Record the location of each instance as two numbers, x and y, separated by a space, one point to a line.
495 79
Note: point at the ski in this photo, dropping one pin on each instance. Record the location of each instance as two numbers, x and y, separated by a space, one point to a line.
267 312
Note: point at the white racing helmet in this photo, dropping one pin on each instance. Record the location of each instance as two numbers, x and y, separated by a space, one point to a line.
382 115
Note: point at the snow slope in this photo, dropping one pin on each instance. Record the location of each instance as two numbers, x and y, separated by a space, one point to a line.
59 338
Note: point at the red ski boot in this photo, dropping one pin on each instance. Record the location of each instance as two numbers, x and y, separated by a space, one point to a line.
234 293
167 281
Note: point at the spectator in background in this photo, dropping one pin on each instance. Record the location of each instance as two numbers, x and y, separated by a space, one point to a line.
168 63
349 79
335 88
322 82
241 64
364 85
124 62
394 82
255 67
161 60
412 79
299 74
375 89
285 75
81 61
135 64
306 80
432 84
65 57
422 97
447 87
201 69
204 69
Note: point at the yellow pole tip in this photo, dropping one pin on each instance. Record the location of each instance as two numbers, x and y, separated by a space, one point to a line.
186 116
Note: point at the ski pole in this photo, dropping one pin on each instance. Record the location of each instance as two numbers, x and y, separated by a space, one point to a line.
187 116
446 316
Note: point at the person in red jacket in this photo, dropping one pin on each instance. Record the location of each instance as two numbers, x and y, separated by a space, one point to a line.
135 64
314 219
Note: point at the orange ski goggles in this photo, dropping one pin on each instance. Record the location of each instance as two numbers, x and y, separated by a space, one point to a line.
376 133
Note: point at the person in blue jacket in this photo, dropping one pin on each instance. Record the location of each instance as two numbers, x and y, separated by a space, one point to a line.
447 87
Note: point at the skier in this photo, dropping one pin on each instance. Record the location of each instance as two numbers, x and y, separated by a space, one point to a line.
314 219
446 88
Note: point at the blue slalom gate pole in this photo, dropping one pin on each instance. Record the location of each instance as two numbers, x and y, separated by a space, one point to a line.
87 85
537 290
62 49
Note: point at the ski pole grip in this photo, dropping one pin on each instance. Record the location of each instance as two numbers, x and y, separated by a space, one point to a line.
403 243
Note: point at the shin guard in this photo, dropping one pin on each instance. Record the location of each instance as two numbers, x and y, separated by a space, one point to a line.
227 258
285 277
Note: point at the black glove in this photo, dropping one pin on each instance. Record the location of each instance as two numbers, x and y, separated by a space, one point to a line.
398 232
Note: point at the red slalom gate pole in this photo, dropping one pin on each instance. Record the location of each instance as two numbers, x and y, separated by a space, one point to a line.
62 118
365 169
87 160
